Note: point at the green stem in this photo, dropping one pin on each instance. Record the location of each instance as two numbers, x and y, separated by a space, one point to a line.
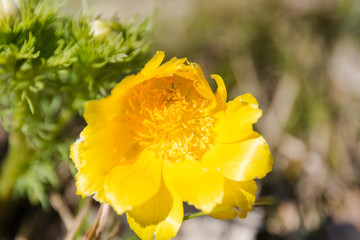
263 201
18 158
15 162
194 215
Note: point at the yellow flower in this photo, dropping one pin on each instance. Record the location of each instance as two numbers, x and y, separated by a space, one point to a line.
163 137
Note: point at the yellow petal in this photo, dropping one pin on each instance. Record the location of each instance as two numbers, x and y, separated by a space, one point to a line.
145 74
173 68
221 94
104 110
154 63
201 84
244 107
247 98
235 122
240 161
98 149
161 216
194 183
230 130
193 72
152 69
134 181
239 197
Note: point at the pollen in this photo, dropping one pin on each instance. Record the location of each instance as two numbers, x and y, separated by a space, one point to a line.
168 116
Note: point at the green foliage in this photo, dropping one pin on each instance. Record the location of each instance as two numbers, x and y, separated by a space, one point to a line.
33 181
50 65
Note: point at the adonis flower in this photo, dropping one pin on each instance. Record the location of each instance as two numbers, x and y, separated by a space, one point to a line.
163 137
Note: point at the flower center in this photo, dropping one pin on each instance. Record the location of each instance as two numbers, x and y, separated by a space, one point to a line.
168 116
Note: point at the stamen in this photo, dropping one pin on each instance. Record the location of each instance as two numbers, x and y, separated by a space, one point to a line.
170 117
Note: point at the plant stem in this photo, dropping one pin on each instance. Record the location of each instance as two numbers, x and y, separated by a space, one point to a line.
263 201
78 220
17 159
96 230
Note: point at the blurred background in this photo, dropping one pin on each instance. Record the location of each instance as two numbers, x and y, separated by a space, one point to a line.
301 60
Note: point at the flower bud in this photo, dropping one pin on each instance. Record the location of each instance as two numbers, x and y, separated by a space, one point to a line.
9 9
99 29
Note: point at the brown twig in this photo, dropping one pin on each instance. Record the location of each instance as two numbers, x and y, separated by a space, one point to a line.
103 219
78 220
115 229
62 209
96 230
